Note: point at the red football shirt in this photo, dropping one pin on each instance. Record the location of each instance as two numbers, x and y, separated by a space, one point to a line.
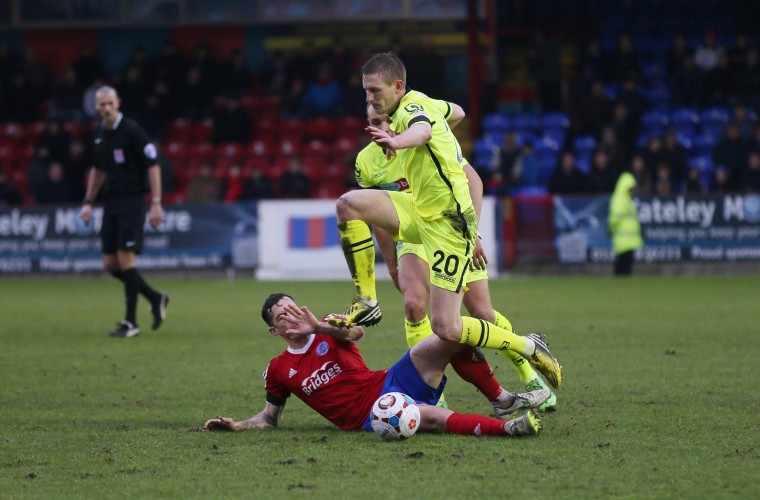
330 376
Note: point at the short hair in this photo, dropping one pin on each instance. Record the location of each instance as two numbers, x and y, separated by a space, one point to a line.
105 89
272 300
387 65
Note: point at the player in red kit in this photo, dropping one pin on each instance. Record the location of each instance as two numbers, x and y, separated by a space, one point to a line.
323 367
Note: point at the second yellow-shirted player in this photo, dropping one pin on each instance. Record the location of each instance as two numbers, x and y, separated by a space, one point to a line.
439 215
407 262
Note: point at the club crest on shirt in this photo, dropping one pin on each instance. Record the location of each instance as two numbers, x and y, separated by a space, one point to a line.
322 348
118 156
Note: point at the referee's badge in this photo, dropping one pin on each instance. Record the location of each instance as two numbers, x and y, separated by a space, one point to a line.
118 156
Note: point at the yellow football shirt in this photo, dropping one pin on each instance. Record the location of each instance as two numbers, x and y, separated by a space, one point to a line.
433 169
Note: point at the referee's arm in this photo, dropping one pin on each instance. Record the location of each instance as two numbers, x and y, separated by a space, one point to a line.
156 211
94 183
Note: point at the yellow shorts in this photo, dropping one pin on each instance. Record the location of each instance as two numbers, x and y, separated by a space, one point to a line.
447 243
403 248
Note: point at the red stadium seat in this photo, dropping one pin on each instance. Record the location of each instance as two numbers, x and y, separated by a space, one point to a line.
271 105
329 189
203 131
289 145
345 143
180 130
315 167
317 147
6 157
292 126
12 131
266 126
350 124
261 146
33 131
202 151
320 128
75 129
231 150
256 163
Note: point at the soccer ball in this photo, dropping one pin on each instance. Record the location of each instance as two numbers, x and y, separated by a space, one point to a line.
395 416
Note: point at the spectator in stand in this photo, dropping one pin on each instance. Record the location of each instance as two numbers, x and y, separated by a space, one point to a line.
675 156
9 193
37 75
172 62
340 59
544 63
608 142
592 64
88 67
428 66
67 105
233 186
751 180
291 102
624 60
721 182
678 53
168 177
633 100
54 189
509 153
76 168
154 118
194 95
232 124
208 69
37 169
602 177
594 109
354 97
277 74
525 170
718 83
731 153
694 184
686 83
89 106
626 128
22 101
744 122
652 154
204 187
235 78
566 178
323 95
56 140
133 89
642 175
707 55
662 183
306 62
294 183
496 185
9 63
257 187
749 79
737 55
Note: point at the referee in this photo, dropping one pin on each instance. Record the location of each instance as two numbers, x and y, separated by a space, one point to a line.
123 154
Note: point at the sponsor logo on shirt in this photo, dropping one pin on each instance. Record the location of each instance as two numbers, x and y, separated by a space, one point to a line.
397 185
291 373
413 108
118 156
321 376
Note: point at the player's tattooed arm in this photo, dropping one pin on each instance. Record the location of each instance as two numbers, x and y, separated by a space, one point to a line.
266 419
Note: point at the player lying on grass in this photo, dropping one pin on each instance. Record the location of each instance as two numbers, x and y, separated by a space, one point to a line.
324 369
408 263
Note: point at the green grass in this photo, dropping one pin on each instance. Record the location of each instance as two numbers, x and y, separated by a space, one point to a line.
661 396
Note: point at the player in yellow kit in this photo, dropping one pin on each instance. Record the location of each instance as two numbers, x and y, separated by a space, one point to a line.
439 214
407 262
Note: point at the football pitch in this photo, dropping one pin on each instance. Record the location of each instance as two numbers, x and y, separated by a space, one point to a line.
660 399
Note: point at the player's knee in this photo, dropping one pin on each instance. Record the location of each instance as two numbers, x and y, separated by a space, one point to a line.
482 312
414 307
445 330
346 208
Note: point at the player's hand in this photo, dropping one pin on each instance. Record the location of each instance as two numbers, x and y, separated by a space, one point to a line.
156 216
384 140
220 424
479 259
86 213
301 320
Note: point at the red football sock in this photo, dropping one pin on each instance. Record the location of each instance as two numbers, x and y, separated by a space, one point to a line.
473 368
478 425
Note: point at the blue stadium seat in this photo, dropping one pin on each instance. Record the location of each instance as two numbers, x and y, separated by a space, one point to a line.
584 145
654 119
496 125
546 165
685 120
554 121
526 123
654 72
685 140
528 191
702 163
704 143
583 162
715 116
658 95
547 143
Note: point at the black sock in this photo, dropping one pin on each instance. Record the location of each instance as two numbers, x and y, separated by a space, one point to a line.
145 290
131 285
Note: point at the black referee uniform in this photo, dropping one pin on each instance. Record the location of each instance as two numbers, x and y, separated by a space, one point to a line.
124 154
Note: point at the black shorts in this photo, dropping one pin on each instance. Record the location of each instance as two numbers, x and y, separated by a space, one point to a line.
123 222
